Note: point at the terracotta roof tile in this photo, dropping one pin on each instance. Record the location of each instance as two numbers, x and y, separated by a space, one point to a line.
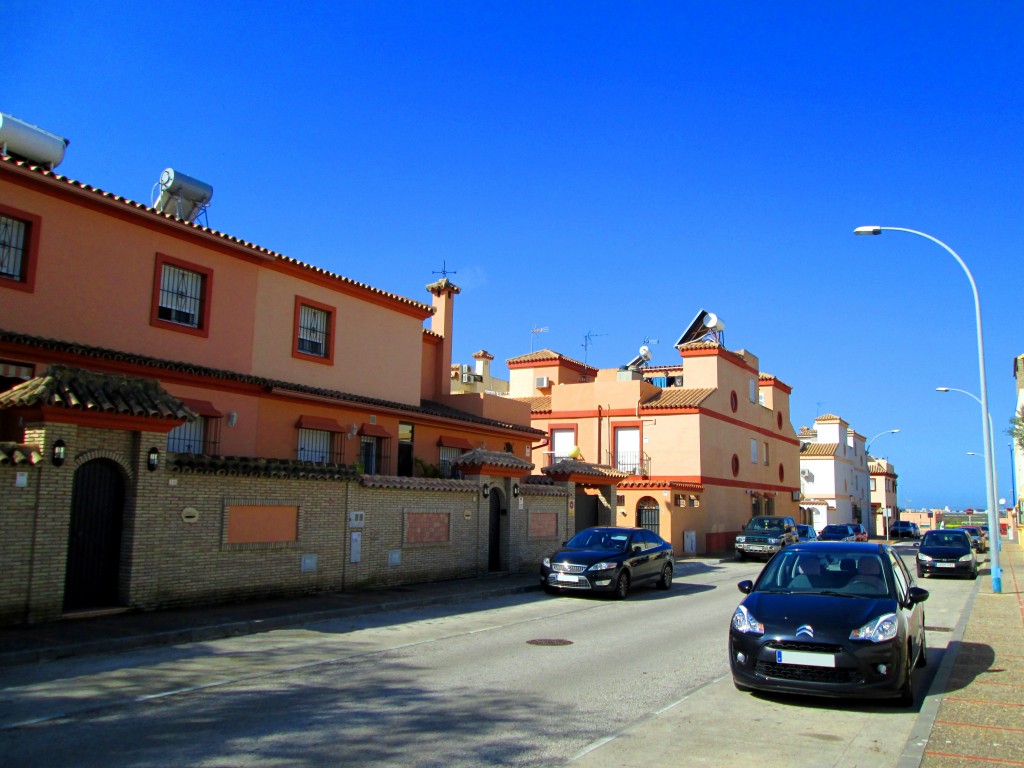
828 417
18 454
145 210
61 386
545 355
478 457
677 397
673 485
419 483
537 404
700 345
570 467
243 466
427 407
818 449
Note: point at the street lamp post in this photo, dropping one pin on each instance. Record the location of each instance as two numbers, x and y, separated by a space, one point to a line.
993 512
992 437
867 450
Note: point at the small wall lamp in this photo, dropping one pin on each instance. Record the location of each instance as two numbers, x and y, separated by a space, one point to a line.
60 449
515 489
153 459
486 490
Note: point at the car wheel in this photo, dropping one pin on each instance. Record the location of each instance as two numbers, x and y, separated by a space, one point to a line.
740 556
621 586
921 574
922 657
974 575
665 582
552 590
906 697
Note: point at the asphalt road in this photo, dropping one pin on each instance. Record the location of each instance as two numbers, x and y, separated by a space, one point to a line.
527 680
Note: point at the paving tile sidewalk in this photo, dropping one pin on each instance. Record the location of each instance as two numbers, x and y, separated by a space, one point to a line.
980 719
125 631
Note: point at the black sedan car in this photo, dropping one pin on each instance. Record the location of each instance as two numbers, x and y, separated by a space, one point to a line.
947 552
837 532
609 560
839 619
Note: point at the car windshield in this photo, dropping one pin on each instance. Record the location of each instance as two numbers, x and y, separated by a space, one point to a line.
764 524
945 539
611 541
844 574
840 529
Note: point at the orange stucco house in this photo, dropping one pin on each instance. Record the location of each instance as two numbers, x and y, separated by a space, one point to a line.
703 444
189 417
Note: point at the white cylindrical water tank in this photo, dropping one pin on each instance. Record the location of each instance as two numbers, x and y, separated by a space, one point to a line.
178 184
22 139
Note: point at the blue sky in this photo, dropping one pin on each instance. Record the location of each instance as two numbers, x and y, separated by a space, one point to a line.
602 168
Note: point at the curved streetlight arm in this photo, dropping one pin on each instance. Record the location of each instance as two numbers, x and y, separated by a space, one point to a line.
993 512
867 446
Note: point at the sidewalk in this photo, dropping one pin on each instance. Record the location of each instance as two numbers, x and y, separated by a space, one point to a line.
980 715
125 631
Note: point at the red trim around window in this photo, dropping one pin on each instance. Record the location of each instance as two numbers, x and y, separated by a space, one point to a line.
154 305
30 255
328 359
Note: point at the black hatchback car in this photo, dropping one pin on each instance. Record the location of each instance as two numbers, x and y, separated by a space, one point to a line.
839 619
609 560
948 552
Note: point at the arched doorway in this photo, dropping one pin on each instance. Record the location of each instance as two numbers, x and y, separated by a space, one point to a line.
94 537
648 514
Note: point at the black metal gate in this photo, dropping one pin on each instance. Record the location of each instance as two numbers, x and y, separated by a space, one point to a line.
494 531
94 537
648 514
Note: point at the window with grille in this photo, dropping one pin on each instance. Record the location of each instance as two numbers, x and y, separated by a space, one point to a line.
19 234
181 293
181 296
314 331
13 239
315 445
201 436
447 456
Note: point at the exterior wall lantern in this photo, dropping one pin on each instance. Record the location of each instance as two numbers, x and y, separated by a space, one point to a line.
515 489
153 459
486 490
60 449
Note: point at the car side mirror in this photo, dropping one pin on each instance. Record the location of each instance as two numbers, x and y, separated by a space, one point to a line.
917 595
747 585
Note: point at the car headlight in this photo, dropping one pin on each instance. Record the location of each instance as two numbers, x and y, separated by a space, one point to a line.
547 562
741 539
604 566
743 621
924 558
877 630
775 540
967 558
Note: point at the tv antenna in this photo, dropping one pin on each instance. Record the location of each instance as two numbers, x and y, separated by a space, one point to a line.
444 271
587 341
534 332
819 404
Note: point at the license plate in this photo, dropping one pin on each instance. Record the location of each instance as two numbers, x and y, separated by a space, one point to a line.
567 577
945 565
805 658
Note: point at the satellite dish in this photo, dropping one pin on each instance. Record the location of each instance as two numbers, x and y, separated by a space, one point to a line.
645 352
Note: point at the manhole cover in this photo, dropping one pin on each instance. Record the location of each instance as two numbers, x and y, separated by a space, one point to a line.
939 629
549 641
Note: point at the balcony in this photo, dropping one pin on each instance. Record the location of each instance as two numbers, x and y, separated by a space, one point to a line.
632 462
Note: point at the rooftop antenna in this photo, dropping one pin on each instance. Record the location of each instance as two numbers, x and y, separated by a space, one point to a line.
587 341
819 404
444 271
534 332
